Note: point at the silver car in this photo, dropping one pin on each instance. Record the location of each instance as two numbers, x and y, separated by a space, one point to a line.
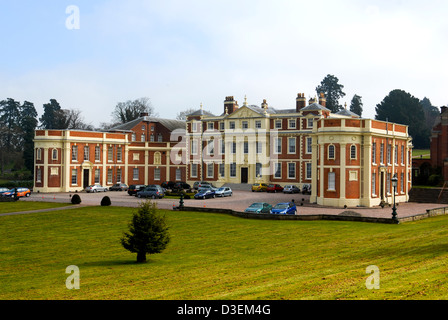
291 189
95 188
223 192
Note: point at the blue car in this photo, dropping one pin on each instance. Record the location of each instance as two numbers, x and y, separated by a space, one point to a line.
205 193
284 208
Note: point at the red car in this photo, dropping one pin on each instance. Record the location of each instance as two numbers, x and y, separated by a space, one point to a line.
274 188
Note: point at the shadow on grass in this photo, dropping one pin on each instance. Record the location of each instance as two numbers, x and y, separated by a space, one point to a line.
112 263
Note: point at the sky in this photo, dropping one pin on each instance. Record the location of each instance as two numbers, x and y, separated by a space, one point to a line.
90 55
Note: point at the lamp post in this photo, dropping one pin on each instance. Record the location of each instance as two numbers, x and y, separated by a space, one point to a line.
394 209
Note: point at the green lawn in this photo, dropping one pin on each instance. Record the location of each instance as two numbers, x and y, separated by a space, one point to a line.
19 206
425 154
213 256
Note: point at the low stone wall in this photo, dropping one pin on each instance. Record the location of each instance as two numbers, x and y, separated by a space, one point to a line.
341 217
429 213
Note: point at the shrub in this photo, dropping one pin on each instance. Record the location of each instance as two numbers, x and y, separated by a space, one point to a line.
105 202
434 179
76 199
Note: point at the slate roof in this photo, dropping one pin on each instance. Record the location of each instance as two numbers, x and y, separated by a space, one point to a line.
315 106
167 123
348 113
200 112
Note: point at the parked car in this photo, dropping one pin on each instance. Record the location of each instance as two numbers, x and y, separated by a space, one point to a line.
167 184
223 192
150 192
21 192
284 208
134 188
291 189
274 188
3 190
158 187
259 187
306 189
119 187
259 207
200 184
181 185
96 188
205 193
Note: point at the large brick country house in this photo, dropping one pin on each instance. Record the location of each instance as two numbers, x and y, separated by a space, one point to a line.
347 160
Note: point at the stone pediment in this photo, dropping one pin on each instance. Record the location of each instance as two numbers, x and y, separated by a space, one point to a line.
243 113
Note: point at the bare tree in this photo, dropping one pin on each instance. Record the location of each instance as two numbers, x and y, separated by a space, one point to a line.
183 114
131 110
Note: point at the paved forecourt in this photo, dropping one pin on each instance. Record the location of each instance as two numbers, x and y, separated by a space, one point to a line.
238 202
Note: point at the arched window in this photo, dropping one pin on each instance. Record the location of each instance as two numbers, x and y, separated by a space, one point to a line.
331 152
54 154
353 152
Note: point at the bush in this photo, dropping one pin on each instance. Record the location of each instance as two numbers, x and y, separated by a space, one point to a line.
105 202
434 179
76 199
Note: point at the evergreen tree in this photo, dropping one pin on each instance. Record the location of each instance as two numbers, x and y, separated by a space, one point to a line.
53 116
148 232
356 105
9 124
401 107
333 92
28 123
9 132
431 113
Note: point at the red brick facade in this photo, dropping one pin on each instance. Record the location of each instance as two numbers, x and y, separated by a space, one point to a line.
439 144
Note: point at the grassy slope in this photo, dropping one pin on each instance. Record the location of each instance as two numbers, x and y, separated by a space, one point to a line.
214 256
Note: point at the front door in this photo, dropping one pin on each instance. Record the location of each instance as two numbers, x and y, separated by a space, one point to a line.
86 180
244 175
382 185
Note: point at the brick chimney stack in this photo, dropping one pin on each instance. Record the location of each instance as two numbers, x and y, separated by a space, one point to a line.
443 109
322 100
300 102
264 105
230 105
